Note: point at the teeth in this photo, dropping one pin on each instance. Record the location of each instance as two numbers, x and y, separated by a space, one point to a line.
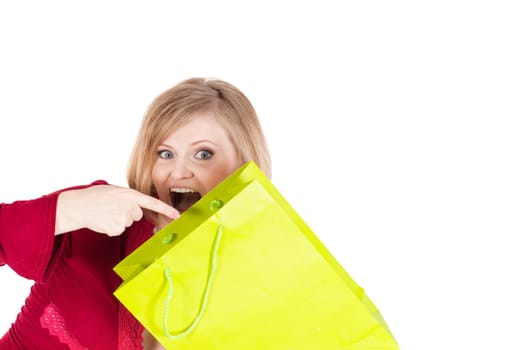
182 190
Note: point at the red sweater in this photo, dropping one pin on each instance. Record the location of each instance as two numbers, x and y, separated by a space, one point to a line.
71 304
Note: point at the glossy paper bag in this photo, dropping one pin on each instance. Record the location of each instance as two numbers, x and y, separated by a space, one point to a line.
241 270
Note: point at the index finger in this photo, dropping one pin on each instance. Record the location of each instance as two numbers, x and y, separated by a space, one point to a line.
154 204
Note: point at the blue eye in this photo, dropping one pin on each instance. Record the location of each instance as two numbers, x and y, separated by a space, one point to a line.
204 154
164 154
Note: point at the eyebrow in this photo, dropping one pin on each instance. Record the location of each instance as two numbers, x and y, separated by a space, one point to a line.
192 144
203 141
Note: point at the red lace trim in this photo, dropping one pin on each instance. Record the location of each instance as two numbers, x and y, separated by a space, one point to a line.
130 331
52 320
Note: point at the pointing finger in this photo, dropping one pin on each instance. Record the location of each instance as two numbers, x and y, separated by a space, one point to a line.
151 203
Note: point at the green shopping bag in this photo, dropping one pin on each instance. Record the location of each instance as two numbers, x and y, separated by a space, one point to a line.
240 269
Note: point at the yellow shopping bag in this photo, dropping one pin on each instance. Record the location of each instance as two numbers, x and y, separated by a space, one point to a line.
240 269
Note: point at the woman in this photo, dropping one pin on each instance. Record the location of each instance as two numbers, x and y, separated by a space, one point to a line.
192 137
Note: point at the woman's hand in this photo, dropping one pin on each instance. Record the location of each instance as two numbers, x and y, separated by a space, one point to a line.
106 209
149 342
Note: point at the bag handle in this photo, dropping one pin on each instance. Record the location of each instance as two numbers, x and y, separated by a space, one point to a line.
205 296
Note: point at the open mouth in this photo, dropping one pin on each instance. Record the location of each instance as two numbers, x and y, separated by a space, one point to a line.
183 198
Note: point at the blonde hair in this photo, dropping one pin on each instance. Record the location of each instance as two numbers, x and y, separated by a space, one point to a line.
177 106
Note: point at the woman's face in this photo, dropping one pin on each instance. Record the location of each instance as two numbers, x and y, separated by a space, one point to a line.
192 160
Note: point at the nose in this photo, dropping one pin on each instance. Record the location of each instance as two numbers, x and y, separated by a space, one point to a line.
181 170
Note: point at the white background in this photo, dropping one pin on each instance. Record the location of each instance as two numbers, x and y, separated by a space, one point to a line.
396 129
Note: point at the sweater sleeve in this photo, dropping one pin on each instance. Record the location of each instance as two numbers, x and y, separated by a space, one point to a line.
27 234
